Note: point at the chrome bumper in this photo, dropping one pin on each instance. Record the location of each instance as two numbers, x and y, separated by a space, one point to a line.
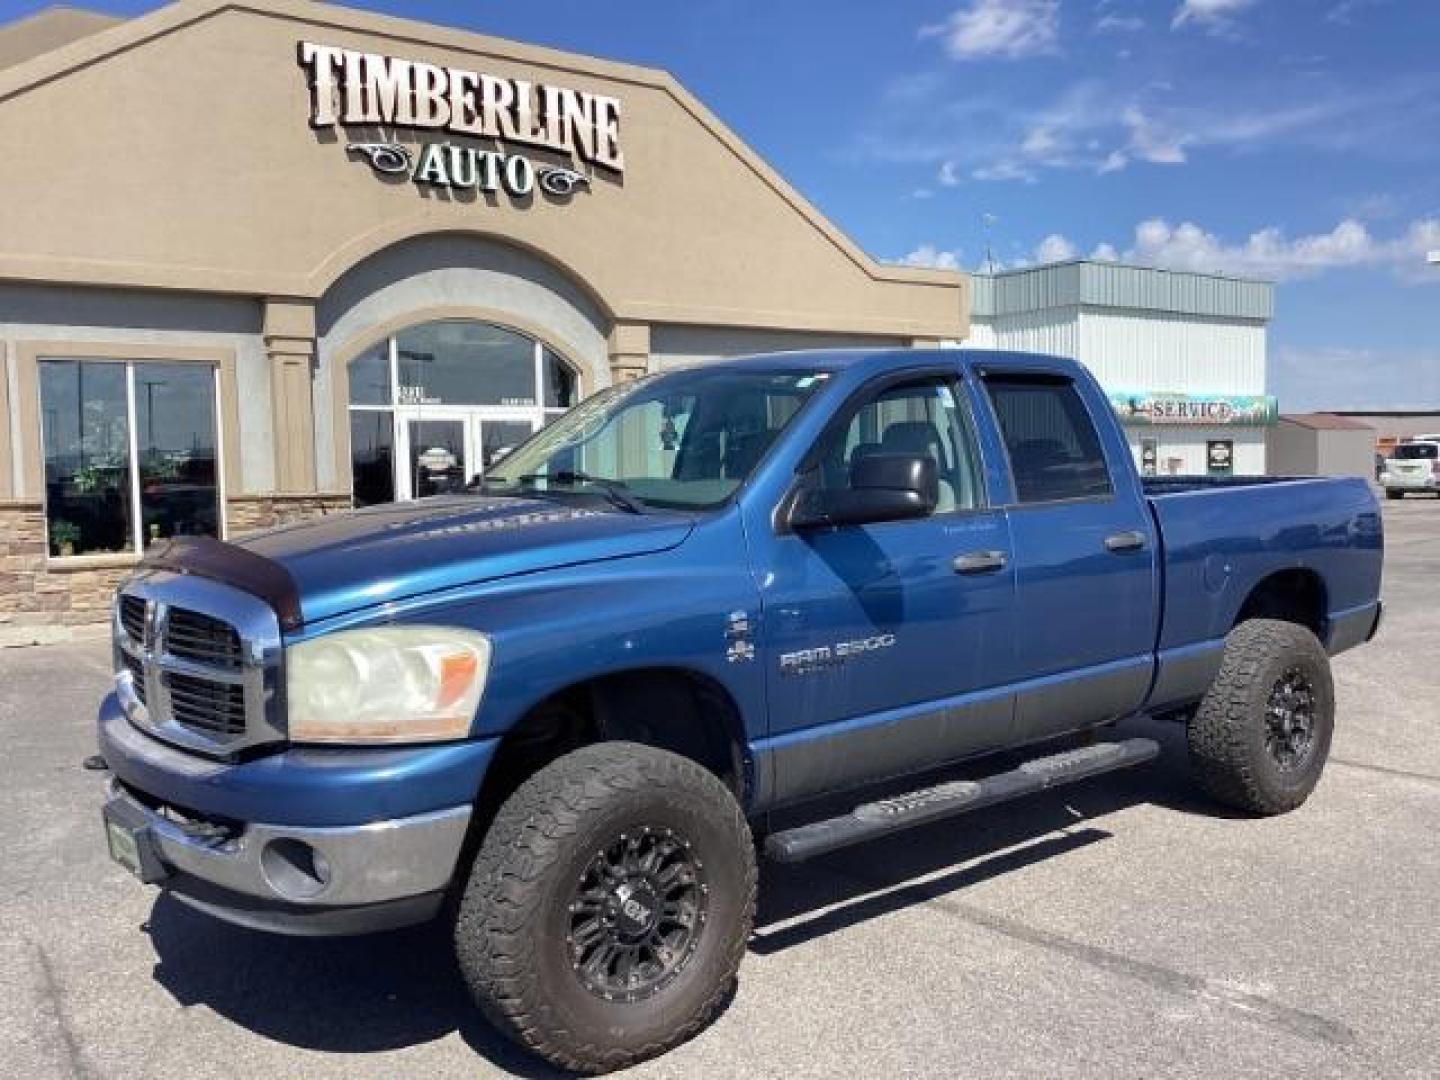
294 869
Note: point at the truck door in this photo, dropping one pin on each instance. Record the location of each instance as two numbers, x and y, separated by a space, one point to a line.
885 642
1085 558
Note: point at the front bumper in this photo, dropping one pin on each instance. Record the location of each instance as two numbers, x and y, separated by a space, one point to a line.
298 880
301 841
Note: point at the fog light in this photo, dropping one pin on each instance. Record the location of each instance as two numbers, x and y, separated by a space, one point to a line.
294 869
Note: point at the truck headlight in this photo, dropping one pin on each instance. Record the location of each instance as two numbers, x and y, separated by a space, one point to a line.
391 684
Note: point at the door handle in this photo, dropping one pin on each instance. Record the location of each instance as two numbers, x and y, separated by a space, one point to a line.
1131 540
979 562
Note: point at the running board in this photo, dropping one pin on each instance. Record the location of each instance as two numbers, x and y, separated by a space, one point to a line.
886 816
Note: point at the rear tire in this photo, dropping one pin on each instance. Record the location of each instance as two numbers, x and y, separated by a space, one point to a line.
1259 740
609 907
1391 493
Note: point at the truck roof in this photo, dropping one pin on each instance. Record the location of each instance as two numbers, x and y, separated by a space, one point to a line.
880 361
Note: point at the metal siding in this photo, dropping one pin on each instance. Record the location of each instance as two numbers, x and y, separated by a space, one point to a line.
1156 351
1117 286
1055 331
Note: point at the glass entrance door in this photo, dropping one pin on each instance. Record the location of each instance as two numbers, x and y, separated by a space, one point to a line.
442 450
437 457
499 437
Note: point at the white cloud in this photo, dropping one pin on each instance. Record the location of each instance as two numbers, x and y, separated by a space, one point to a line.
1110 23
930 257
1000 28
1005 170
949 175
1151 142
1114 162
1105 253
1214 16
1269 253
1055 248
1344 13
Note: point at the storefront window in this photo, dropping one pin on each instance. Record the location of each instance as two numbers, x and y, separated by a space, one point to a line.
115 433
176 453
370 376
465 363
559 382
372 453
437 404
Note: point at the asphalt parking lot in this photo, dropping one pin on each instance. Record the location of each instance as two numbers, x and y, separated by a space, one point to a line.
1126 928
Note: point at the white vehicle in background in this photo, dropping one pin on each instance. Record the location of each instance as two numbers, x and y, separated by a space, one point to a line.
1413 465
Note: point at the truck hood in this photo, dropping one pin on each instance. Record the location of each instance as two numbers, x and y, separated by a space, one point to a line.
381 554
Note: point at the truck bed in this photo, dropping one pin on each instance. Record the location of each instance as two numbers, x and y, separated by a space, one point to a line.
1222 536
1173 485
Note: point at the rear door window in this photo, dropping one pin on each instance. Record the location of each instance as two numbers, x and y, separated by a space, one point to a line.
1417 452
1053 446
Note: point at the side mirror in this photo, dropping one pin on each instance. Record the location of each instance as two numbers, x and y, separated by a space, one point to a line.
883 487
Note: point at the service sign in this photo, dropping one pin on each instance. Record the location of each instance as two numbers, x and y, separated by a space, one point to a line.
505 116
1158 407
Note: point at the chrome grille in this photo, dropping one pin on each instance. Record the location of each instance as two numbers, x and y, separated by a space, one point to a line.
132 617
192 635
136 667
198 662
218 708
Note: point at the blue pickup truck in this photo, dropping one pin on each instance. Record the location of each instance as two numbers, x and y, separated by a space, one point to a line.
559 708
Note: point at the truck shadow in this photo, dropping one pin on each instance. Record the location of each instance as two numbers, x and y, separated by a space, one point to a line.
798 904
395 990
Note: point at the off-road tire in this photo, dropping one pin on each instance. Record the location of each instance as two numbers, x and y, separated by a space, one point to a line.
514 916
1227 733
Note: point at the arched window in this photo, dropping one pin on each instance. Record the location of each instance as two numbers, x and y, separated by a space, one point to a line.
436 404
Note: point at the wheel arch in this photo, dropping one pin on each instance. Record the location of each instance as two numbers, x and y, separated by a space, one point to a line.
672 708
1296 595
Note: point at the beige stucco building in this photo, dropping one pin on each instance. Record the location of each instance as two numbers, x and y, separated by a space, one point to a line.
264 259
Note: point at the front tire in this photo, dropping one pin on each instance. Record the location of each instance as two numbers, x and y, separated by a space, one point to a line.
609 907
1391 493
1259 740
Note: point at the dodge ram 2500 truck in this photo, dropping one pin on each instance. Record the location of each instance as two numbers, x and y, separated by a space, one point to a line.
556 708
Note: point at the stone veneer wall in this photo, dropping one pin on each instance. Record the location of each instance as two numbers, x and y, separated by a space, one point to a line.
41 603
249 513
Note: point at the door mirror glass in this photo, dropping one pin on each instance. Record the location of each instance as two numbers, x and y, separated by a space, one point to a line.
883 487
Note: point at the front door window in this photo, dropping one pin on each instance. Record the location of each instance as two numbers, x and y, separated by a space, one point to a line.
437 404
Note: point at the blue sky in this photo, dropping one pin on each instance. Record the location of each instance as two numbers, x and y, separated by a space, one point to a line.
1297 140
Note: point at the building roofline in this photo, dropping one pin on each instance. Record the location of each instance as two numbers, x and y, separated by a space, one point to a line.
1434 411
42 32
1123 265
96 48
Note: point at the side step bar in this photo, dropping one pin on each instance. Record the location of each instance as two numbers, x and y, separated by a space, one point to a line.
886 816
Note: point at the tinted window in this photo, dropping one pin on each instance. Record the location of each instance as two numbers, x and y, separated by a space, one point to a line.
1417 452
914 418
1053 446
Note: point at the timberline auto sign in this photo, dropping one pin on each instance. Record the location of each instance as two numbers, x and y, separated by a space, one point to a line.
349 88
1251 410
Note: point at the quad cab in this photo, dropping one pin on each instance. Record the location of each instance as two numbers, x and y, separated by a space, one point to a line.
559 710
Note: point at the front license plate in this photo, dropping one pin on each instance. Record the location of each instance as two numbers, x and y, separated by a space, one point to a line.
124 846
132 845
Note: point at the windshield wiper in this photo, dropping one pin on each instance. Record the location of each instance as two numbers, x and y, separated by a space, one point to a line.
614 491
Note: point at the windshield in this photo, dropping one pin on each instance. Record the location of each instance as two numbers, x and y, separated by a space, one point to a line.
1417 451
683 440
